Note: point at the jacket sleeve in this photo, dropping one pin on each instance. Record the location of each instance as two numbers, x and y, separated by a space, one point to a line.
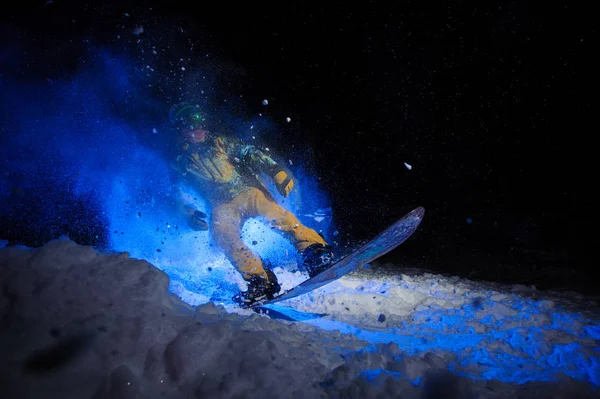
249 155
259 161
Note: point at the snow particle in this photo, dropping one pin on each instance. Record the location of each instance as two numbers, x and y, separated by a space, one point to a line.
288 119
154 131
138 30
409 167
265 102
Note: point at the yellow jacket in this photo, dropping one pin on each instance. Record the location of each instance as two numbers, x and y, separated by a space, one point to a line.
222 167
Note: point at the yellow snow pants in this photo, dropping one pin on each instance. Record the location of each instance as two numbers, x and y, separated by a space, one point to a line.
228 218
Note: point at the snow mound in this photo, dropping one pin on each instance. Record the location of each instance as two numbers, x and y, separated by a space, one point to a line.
78 323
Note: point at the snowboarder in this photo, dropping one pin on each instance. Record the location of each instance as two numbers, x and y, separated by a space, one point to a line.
224 170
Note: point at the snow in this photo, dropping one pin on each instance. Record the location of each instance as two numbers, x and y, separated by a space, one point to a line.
78 323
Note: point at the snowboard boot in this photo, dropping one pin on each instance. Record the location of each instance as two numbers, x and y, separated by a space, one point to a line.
317 258
258 288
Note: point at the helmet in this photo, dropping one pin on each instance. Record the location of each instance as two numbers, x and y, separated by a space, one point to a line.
186 115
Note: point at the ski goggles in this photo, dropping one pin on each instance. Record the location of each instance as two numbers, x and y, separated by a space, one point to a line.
187 116
194 121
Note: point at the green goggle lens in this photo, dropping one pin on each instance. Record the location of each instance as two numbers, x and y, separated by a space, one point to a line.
195 120
198 117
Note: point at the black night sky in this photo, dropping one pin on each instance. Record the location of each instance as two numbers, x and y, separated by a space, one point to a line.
491 104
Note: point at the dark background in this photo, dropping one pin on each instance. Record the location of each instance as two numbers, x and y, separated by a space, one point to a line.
493 106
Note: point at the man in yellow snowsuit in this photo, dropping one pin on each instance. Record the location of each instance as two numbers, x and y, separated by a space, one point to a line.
225 171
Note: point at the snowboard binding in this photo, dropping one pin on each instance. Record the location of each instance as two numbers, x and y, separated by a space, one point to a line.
317 258
259 288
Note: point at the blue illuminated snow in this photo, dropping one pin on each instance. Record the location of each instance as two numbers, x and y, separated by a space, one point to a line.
492 334
593 332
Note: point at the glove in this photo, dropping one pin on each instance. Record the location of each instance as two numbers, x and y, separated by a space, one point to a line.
197 222
196 218
283 182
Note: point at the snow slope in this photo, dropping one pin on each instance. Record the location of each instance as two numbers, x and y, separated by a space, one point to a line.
80 323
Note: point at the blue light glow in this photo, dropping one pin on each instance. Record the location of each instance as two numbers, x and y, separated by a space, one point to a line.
103 136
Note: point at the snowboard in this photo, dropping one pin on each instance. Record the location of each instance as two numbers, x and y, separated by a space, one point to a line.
393 236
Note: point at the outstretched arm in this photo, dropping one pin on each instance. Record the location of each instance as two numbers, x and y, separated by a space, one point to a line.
185 205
